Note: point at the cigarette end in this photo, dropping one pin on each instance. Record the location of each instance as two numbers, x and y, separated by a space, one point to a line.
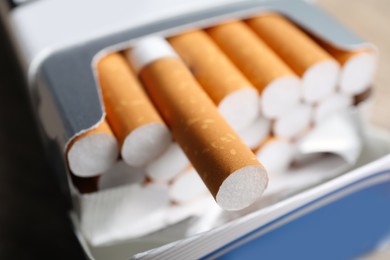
242 188
145 143
93 152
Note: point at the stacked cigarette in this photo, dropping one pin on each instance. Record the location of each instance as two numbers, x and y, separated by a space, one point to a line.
226 165
258 84
222 81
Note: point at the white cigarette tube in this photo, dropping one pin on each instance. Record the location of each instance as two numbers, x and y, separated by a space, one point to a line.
187 187
236 98
276 154
357 68
357 71
92 152
318 69
293 123
277 84
254 134
333 104
170 163
121 174
134 120
226 165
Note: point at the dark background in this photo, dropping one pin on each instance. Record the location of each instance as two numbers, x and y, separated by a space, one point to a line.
34 221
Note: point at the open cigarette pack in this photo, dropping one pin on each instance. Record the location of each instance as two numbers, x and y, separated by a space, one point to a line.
208 129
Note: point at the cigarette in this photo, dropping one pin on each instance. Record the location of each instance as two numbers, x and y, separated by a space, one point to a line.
236 98
331 105
293 123
279 87
187 187
276 154
134 120
318 69
357 68
121 174
255 134
226 165
170 163
92 152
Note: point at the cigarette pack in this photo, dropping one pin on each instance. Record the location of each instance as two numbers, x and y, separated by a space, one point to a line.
314 210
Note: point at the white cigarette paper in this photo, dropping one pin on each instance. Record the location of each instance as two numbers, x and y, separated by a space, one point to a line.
121 174
93 152
187 187
276 155
168 164
280 95
357 73
126 212
330 106
255 134
294 122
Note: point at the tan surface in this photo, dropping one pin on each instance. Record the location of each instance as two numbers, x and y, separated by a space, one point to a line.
370 20
288 42
127 105
209 65
250 54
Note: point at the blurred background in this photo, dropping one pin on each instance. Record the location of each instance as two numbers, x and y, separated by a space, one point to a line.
33 213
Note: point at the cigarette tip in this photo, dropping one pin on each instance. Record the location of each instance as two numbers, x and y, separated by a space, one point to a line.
242 188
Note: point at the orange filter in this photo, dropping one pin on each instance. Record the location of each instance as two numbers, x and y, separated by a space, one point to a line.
136 123
279 87
226 165
318 69
92 152
236 98
357 68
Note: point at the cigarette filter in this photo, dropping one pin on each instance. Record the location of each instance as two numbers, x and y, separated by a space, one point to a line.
226 165
92 152
121 174
357 69
279 87
293 123
187 187
255 134
276 154
318 69
170 163
136 123
236 98
331 105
